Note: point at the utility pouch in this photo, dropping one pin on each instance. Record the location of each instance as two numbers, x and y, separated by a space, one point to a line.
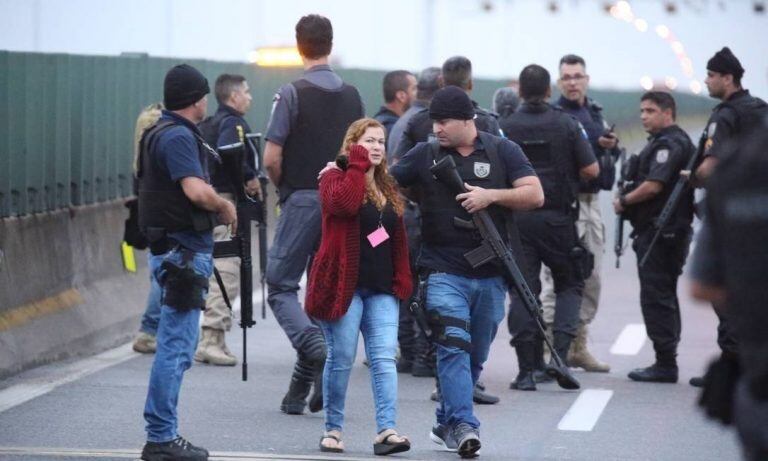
131 233
607 171
583 260
183 288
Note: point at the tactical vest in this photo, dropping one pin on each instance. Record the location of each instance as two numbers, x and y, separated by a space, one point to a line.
439 206
751 113
323 119
546 139
162 202
643 214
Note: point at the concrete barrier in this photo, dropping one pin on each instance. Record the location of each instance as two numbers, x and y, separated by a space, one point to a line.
63 289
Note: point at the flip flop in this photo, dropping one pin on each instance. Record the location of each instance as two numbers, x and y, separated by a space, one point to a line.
330 449
385 447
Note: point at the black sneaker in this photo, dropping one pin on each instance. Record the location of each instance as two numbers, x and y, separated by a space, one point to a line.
441 435
177 449
697 381
467 440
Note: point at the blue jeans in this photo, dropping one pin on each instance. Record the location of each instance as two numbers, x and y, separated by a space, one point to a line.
297 236
176 342
481 301
376 316
151 316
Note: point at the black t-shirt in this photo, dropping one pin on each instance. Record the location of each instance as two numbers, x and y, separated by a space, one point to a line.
376 269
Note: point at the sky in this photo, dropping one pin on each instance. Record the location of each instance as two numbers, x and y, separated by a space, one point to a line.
499 36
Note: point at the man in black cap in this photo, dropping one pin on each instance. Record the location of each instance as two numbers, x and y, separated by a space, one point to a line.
733 119
499 178
456 71
178 210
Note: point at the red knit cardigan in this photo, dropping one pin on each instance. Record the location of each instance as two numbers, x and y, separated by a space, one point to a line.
334 272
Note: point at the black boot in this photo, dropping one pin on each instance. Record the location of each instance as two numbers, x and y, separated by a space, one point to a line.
539 367
663 371
301 383
314 352
525 351
561 344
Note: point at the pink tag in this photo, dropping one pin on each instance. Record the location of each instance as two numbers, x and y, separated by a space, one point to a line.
378 236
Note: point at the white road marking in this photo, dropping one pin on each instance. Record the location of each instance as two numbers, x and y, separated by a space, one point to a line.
133 454
631 340
24 392
586 410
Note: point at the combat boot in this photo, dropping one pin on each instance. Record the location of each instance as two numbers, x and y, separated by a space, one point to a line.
656 373
295 400
309 368
580 357
145 343
539 364
524 381
561 344
212 349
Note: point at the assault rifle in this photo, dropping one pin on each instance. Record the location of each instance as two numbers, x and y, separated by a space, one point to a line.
239 245
672 202
618 232
254 140
492 249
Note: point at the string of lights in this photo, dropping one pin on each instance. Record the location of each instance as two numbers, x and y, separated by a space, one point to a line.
622 11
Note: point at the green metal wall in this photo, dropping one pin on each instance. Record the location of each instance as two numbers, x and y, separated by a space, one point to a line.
67 121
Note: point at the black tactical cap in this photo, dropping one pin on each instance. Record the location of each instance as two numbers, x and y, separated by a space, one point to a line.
184 85
451 102
724 62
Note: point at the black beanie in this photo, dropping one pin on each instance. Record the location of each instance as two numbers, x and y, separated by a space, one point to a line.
184 85
451 102
724 62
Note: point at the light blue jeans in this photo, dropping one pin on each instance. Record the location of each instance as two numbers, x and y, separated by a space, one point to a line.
481 301
176 342
376 315
151 316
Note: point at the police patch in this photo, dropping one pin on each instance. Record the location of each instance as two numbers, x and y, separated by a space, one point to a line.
482 170
662 155
711 129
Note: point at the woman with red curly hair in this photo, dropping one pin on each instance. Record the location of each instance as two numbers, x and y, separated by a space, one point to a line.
357 277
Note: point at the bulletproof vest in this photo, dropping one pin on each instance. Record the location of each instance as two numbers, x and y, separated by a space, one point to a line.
438 203
210 129
162 202
546 137
323 119
643 214
751 112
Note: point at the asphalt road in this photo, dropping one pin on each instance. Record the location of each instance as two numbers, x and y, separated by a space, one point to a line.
92 408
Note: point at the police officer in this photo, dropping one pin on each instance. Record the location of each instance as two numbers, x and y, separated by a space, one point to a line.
426 85
456 71
177 212
468 303
728 122
307 126
574 100
399 89
227 126
652 175
729 264
557 146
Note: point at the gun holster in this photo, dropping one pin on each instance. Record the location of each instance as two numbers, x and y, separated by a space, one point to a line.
438 324
183 288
